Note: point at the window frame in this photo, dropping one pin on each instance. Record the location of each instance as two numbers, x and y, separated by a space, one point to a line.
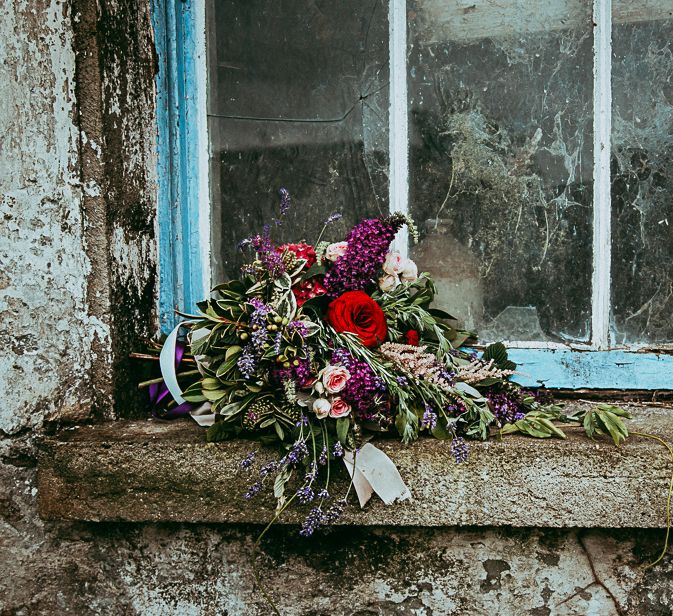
184 199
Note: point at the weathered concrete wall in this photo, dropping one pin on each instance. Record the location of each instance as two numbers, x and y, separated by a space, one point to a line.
205 570
47 329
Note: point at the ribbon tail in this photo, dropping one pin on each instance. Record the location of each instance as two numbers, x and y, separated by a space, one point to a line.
167 363
203 416
373 471
362 487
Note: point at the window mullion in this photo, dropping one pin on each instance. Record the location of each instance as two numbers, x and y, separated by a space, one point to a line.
600 330
398 126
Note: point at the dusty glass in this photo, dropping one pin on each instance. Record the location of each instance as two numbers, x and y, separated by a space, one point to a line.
642 172
500 111
298 98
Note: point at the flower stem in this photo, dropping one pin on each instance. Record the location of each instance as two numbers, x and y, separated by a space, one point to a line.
668 499
255 570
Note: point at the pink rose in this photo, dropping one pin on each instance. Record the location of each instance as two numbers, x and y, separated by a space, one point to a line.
394 263
321 408
340 408
336 250
334 378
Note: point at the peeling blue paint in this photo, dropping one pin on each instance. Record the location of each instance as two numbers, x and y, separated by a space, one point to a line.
180 270
566 369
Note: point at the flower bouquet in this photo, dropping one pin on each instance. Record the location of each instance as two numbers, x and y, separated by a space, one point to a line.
319 347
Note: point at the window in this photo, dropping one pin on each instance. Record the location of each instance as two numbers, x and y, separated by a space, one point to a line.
532 143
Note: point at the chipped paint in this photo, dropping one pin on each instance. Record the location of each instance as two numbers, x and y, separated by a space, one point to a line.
47 329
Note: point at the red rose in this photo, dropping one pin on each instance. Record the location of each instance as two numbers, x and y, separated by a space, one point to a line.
302 251
356 312
412 337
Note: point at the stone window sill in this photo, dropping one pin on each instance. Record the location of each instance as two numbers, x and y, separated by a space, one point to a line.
156 471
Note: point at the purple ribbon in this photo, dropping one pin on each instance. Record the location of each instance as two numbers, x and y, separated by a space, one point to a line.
159 394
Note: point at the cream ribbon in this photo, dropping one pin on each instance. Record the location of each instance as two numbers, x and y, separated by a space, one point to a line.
201 415
373 471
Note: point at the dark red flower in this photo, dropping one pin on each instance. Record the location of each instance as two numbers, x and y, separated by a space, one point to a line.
412 337
302 251
308 289
356 312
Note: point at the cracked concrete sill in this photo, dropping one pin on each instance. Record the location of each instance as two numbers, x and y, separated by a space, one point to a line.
154 471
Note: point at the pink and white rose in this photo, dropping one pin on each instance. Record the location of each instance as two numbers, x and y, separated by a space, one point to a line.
340 408
388 282
410 272
334 378
394 263
336 250
321 408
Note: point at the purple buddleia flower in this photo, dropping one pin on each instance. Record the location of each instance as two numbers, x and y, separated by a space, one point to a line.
363 389
322 460
302 422
277 342
323 494
299 374
459 449
337 450
402 381
429 419
248 461
247 361
368 244
507 408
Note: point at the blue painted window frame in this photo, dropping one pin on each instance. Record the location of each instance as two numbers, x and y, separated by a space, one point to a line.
179 143
182 261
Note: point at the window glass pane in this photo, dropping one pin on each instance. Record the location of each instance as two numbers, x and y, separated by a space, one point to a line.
501 102
642 172
298 97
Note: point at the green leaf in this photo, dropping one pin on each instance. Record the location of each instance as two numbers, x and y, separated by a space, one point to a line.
232 351
441 314
280 482
279 431
498 353
342 426
314 270
221 431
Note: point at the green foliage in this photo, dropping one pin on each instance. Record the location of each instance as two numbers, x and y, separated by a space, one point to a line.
538 424
498 353
607 419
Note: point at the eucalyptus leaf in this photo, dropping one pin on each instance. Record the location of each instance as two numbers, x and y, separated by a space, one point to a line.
342 426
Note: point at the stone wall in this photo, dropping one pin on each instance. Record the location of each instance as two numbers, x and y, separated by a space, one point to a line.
78 281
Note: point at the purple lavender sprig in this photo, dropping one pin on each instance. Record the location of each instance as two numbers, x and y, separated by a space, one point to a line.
460 450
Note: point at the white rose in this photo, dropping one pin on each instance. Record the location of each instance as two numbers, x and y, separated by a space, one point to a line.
394 263
321 408
336 250
388 282
410 271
